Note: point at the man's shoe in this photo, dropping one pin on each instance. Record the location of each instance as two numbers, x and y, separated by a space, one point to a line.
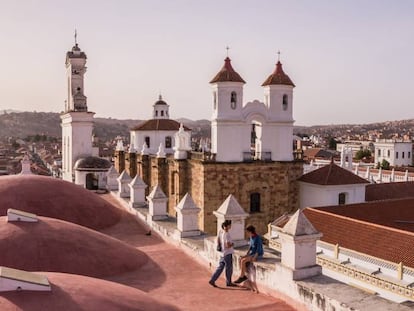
212 283
231 285
241 279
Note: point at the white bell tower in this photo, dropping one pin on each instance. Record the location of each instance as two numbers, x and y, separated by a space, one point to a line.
160 109
278 98
227 126
77 121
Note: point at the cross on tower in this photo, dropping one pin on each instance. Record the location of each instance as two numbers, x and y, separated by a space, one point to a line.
76 37
278 56
227 48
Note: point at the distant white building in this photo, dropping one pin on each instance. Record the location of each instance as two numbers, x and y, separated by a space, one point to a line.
396 152
356 146
331 185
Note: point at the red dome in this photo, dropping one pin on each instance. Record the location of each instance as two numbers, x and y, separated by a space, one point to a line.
74 293
55 198
55 245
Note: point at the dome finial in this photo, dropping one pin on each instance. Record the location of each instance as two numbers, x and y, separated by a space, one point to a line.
278 56
227 51
76 37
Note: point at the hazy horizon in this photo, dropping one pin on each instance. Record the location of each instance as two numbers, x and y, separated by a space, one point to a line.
351 61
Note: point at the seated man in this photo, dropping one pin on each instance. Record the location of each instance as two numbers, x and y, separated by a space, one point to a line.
255 252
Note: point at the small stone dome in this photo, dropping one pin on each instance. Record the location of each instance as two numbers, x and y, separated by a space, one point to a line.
74 292
92 163
160 101
56 245
55 198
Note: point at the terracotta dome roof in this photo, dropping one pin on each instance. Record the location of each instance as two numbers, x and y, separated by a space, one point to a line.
74 292
278 77
56 245
159 125
227 74
50 197
92 163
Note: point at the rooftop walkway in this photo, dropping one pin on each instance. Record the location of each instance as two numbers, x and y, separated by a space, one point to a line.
174 277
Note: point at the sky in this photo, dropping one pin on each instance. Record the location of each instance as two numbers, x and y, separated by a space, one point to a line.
351 61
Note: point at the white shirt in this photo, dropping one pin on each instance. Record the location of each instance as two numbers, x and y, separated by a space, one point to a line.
224 239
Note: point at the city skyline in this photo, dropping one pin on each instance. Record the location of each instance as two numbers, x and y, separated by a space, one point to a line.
351 62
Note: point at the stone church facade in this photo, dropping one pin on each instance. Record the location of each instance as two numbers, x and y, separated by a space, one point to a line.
261 172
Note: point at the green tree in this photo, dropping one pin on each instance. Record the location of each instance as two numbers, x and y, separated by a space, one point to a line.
363 153
385 164
332 143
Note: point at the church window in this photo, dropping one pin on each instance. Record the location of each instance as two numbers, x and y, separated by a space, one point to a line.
162 113
156 113
285 102
342 198
403 155
409 154
168 142
396 155
233 100
147 141
255 202
379 152
388 152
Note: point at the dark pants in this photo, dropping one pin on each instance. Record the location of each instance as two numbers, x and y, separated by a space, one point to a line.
226 261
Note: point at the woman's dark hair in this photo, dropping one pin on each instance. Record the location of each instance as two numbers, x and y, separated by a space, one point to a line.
251 229
226 223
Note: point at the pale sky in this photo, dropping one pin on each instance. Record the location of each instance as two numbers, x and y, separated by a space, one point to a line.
351 61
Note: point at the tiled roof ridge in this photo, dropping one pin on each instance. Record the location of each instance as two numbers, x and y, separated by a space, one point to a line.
329 173
361 221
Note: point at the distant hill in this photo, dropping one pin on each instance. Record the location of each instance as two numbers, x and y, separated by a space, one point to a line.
23 124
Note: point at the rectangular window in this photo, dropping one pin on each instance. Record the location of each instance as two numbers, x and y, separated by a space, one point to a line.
409 154
379 152
147 141
403 154
389 153
396 155
342 198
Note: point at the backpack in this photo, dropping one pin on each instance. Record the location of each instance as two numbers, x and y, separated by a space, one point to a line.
218 247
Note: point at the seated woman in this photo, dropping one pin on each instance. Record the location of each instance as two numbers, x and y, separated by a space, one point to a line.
254 253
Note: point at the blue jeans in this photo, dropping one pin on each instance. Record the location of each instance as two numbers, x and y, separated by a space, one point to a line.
225 261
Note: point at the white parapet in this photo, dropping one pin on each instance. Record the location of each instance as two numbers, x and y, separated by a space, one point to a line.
17 215
13 279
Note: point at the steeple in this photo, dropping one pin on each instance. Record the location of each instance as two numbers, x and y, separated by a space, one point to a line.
278 77
227 74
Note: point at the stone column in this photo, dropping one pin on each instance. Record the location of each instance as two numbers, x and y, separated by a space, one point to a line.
157 203
298 241
123 185
231 210
187 217
131 164
120 160
137 192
